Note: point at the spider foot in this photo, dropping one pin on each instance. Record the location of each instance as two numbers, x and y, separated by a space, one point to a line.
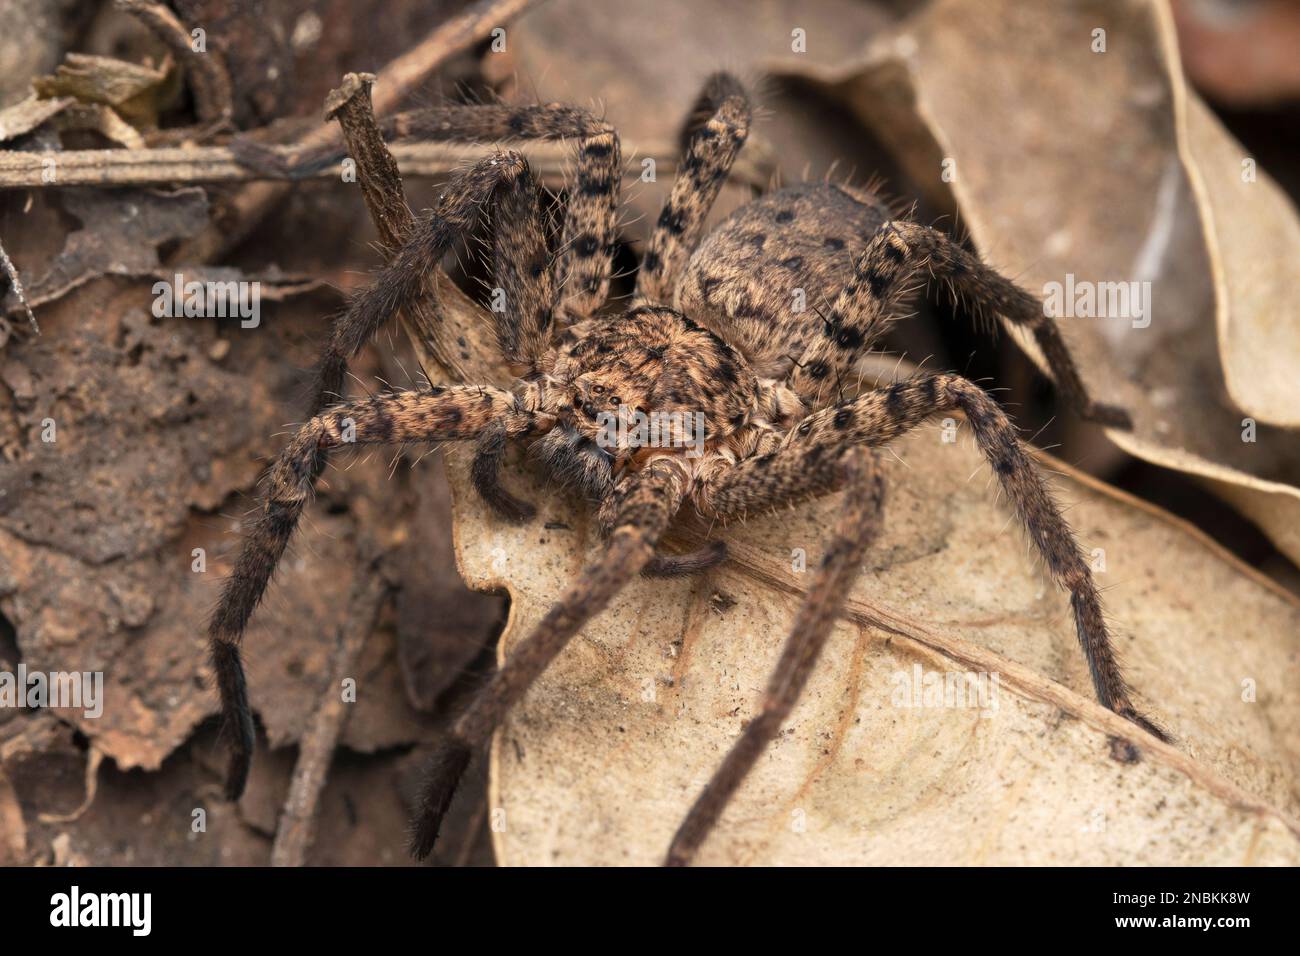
237 729
1112 416
237 768
1124 750
1146 724
441 777
513 509
676 565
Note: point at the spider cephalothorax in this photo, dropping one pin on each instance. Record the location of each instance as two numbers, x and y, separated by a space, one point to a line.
649 372
737 360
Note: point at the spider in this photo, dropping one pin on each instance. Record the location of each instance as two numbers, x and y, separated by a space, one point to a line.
715 327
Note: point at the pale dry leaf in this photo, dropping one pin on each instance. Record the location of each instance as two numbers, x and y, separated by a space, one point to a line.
136 92
1253 235
1109 170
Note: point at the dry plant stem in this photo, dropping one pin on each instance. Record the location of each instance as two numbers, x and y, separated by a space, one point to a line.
396 80
176 166
381 178
381 187
207 70
293 838
11 273
94 758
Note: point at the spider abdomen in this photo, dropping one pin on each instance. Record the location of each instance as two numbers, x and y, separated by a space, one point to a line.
759 279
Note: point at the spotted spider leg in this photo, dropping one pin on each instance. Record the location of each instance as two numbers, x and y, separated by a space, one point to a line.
405 278
885 414
715 133
525 323
856 528
635 517
590 232
884 276
533 288
810 461
587 242
401 282
437 414
763 481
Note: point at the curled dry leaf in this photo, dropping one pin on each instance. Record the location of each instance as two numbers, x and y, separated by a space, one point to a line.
1109 170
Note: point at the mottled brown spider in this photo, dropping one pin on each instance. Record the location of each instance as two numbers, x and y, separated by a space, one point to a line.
716 328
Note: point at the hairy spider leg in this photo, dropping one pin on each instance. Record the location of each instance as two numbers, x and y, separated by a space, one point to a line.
636 514
535 288
590 233
808 461
858 525
717 129
438 414
405 278
884 278
884 414
400 282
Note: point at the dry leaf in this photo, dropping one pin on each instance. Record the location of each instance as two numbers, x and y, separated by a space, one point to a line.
121 233
136 92
27 115
1243 54
1109 170
156 441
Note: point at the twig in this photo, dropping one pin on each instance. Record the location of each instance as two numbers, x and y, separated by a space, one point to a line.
396 80
207 71
293 837
23 169
381 184
12 274
93 760
440 322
